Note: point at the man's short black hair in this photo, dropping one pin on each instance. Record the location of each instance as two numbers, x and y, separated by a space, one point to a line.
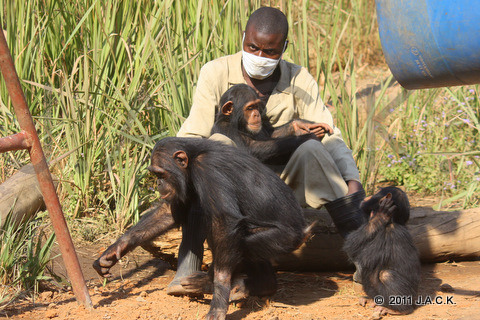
268 20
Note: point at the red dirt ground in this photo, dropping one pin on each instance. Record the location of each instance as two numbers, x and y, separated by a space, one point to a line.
138 292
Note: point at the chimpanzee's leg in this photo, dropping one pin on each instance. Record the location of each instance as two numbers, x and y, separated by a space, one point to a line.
227 255
190 253
221 292
155 222
268 243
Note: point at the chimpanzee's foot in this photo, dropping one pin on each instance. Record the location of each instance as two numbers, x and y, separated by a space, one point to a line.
197 283
216 314
365 301
176 287
200 283
381 310
176 290
239 290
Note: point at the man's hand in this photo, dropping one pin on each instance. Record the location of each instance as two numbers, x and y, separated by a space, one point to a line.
318 129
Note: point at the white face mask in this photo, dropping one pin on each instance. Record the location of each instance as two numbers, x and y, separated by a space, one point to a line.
258 67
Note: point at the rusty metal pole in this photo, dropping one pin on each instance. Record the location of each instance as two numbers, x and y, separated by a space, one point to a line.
43 174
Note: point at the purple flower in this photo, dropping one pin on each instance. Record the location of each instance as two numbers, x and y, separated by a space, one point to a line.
468 163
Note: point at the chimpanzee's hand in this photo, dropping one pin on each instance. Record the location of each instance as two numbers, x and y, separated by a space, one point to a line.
108 259
386 207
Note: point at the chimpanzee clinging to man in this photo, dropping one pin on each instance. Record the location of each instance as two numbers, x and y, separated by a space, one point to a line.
242 118
384 253
250 215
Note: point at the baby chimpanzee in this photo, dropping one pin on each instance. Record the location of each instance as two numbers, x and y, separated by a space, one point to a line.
384 253
242 118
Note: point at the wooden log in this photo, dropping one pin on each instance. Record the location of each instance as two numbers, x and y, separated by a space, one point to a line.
438 235
20 194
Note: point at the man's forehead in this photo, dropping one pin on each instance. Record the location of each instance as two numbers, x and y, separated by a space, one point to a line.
254 35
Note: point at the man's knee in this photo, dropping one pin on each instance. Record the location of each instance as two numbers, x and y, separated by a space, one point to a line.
312 149
222 138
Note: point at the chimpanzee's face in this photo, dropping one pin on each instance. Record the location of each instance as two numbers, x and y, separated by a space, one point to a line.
166 189
170 169
252 115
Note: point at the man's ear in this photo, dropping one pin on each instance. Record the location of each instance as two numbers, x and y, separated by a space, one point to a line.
285 46
227 108
181 158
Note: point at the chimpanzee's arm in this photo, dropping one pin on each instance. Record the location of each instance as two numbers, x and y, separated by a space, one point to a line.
288 129
157 221
276 151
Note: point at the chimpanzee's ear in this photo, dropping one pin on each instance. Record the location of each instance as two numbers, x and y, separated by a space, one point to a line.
181 158
227 108
389 195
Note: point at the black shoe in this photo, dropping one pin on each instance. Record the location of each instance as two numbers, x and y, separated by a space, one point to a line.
346 212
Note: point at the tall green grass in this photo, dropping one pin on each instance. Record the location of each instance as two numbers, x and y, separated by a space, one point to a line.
24 255
106 79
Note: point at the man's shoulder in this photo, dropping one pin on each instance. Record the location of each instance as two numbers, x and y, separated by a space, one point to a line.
291 66
296 75
223 62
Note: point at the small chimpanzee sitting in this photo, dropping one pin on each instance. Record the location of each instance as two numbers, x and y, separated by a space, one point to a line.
242 118
384 253
251 215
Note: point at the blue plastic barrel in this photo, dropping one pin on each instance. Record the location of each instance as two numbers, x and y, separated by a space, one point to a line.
431 43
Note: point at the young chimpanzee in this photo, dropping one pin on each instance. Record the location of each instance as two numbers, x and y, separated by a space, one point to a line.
384 253
251 215
242 118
